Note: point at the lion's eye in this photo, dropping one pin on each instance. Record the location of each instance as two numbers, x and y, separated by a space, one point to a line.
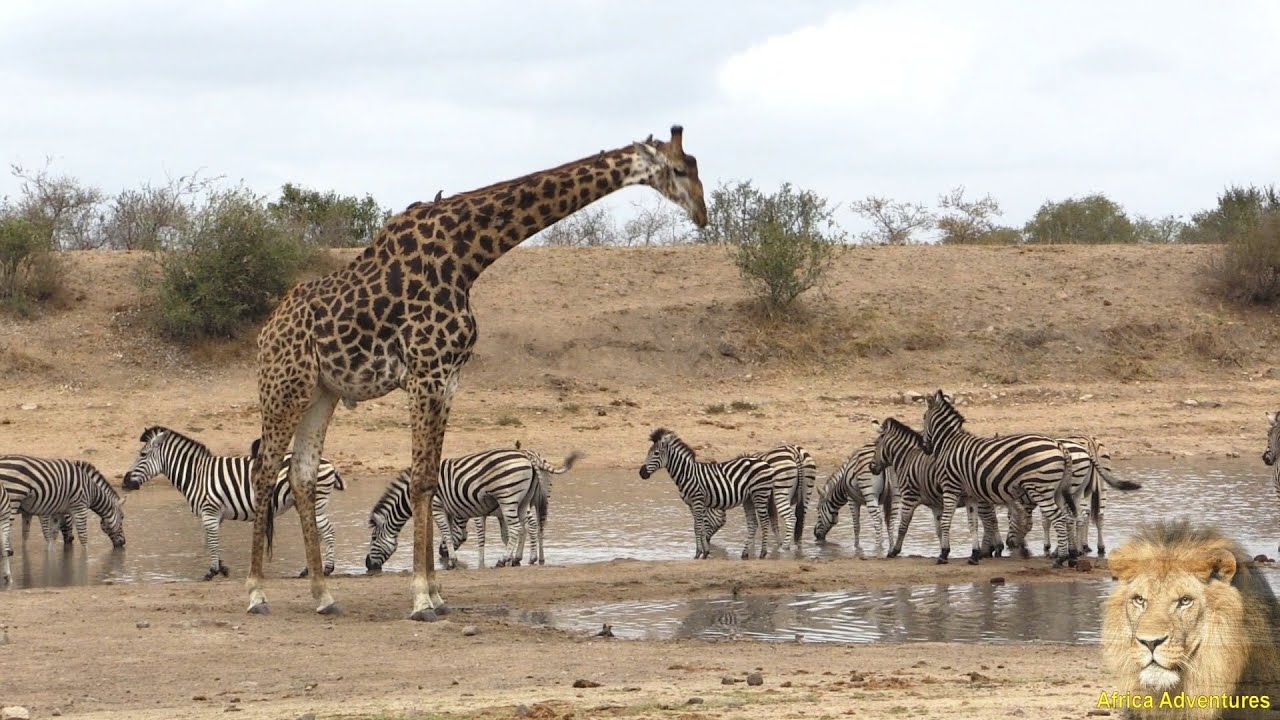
1139 601
1184 601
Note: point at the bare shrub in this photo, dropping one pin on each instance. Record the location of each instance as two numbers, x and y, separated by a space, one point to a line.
967 222
895 223
61 206
1247 270
592 226
152 217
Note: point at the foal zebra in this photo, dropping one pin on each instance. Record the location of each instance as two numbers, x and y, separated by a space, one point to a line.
854 484
794 475
220 487
999 471
56 488
709 486
471 486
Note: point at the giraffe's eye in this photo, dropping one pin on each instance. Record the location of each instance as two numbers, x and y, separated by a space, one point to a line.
680 172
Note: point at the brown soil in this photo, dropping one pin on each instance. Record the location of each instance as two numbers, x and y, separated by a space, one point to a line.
589 350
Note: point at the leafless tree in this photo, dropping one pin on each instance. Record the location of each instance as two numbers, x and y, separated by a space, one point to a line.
895 222
61 206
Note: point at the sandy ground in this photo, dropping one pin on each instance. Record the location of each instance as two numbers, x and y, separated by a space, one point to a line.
589 350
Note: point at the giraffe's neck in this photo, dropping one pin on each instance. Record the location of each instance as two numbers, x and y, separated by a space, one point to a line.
482 225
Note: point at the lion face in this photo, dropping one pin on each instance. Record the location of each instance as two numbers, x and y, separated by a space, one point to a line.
1171 610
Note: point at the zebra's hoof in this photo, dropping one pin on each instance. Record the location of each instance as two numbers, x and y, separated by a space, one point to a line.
1025 553
224 571
1102 552
330 609
9 552
1086 549
942 561
305 572
424 615
261 608
973 561
210 575
328 570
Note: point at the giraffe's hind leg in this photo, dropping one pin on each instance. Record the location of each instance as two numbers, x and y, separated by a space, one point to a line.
279 420
308 443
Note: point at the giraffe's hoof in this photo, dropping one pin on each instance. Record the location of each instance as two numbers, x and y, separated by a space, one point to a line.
304 572
424 615
442 610
261 608
330 609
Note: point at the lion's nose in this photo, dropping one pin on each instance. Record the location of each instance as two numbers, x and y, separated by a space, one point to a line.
1153 643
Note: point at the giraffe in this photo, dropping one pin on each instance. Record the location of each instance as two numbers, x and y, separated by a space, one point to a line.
399 316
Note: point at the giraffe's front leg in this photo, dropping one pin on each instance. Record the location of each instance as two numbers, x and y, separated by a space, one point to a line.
277 431
308 444
430 410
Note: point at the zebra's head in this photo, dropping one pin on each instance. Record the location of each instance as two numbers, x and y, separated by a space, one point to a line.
147 464
383 541
1272 452
941 420
659 452
893 439
106 503
828 509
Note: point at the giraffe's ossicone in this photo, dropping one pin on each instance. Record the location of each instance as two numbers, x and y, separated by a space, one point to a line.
399 316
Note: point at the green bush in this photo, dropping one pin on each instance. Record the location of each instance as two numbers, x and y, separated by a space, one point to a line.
1247 269
1239 211
327 219
232 264
783 242
1090 220
30 271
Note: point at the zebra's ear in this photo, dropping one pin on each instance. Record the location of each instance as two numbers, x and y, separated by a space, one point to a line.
254 447
1271 418
148 434
878 427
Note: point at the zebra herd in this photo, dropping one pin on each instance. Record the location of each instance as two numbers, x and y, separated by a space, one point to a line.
944 467
513 484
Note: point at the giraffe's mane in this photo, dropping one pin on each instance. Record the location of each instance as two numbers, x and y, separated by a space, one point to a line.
513 182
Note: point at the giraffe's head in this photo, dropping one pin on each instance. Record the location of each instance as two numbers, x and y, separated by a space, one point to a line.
665 167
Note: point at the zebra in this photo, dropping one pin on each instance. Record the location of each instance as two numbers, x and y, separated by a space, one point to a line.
55 488
998 471
854 484
536 521
709 486
6 522
220 487
471 486
794 475
1272 453
1091 474
899 450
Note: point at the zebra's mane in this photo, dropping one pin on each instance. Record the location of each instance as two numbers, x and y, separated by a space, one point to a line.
912 435
174 436
94 475
388 497
657 435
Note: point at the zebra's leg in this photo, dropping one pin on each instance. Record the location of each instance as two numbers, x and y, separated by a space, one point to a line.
1097 522
990 529
26 530
787 512
212 521
698 510
1044 522
905 511
761 506
514 513
326 532
748 509
448 539
82 525
6 547
877 522
855 516
949 502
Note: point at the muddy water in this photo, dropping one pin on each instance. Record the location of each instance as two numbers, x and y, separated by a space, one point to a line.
602 515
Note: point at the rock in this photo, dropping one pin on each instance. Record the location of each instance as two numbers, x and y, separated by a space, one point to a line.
785 683
1262 559
307 716
728 680
1190 403
470 630
694 701
1017 712
605 631
15 712
755 678
978 677
997 580
522 710
55 712
1099 712
1086 396
912 396
199 698
142 625
580 683
29 406
1106 303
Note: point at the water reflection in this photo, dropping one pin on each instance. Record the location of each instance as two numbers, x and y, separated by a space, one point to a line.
603 515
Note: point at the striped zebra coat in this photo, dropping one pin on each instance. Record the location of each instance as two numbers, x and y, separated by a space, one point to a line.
705 487
1091 474
794 475
220 487
55 488
854 484
1272 453
6 541
899 452
994 472
513 483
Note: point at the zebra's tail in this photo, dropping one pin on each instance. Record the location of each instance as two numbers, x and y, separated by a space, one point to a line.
338 483
270 526
541 463
800 493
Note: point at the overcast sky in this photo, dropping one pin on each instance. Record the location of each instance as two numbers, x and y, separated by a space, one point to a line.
1158 104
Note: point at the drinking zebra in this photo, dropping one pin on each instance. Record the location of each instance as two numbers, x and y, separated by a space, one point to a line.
219 487
708 486
535 522
992 472
54 488
471 486
794 475
1091 474
1272 453
854 484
